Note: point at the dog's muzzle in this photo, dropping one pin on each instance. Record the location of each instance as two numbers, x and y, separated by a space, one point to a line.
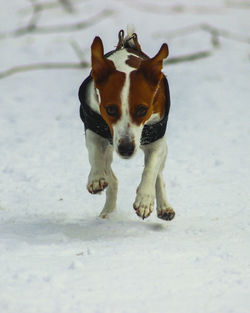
126 148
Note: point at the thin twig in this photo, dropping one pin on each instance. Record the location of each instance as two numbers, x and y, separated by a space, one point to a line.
238 5
75 26
34 17
40 7
46 6
58 28
79 53
175 9
42 66
179 32
68 65
67 5
82 64
213 31
225 33
188 58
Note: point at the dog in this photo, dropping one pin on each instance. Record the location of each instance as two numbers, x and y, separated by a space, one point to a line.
125 103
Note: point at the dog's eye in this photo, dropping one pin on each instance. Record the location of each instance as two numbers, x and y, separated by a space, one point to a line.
112 110
141 111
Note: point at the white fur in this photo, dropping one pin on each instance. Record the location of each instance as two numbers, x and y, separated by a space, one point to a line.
119 59
93 97
121 129
101 174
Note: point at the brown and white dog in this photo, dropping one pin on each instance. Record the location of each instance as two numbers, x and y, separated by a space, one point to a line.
124 106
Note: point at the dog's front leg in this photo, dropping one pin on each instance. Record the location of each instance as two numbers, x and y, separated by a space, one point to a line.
97 147
155 155
164 209
101 174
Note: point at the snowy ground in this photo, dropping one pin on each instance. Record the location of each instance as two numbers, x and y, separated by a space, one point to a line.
56 256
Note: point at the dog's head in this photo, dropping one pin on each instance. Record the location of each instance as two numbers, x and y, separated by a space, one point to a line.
127 98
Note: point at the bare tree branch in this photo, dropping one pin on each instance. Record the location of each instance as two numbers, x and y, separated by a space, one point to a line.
79 53
225 33
238 5
175 9
49 5
42 66
34 17
57 28
74 26
188 58
83 64
213 31
178 32
67 5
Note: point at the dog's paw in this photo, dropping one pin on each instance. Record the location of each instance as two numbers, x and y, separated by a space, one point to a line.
97 185
166 213
144 205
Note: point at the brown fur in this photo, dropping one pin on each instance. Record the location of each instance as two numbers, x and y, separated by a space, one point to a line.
147 87
110 92
108 80
133 61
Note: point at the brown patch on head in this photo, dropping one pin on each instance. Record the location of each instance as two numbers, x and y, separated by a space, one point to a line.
139 53
147 93
151 68
133 61
141 94
108 81
110 94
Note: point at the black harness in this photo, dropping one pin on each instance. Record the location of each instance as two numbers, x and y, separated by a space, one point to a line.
97 124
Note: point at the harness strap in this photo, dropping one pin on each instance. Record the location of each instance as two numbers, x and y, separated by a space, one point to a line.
90 118
124 42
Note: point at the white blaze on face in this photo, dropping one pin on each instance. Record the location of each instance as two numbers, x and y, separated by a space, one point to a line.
124 130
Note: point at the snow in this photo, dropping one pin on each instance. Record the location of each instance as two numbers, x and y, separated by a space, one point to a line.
56 256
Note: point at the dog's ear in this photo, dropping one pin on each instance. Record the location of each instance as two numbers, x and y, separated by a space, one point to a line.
101 67
151 68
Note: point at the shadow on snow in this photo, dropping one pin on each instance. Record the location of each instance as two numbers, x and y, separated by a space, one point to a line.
42 230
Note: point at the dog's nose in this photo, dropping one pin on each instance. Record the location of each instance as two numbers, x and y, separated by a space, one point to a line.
126 148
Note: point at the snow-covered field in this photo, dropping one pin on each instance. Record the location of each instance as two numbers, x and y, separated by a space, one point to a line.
56 256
